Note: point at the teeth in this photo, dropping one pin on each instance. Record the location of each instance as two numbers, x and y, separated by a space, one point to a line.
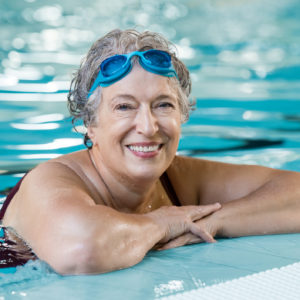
144 149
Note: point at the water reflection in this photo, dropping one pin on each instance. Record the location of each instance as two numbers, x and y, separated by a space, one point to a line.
56 144
50 87
32 97
48 126
226 36
51 15
40 156
273 158
169 288
45 118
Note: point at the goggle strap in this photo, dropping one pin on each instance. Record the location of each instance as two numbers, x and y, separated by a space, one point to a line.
158 71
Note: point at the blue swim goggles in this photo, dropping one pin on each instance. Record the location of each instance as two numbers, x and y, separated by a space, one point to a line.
118 66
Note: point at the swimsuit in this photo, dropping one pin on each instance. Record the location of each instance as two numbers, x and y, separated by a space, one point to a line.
9 197
13 250
167 184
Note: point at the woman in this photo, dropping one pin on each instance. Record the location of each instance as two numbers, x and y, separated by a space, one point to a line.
104 208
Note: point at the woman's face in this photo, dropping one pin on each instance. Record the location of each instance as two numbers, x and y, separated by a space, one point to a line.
138 126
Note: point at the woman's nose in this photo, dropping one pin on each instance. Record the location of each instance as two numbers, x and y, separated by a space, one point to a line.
146 122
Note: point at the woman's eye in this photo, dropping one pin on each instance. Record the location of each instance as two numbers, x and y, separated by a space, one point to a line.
166 105
124 106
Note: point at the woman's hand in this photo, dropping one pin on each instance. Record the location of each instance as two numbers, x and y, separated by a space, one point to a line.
180 223
206 225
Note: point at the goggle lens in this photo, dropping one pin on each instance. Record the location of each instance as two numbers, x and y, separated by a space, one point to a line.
112 65
158 58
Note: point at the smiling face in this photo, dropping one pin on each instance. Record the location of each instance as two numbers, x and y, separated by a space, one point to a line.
138 126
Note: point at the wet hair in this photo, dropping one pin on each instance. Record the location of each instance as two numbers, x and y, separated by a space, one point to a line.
121 42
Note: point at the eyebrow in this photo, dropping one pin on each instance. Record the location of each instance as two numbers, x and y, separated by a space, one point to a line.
126 96
131 97
164 96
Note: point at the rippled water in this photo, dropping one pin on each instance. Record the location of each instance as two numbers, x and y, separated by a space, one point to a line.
244 58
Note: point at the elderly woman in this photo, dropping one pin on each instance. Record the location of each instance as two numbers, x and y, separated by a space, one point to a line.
105 207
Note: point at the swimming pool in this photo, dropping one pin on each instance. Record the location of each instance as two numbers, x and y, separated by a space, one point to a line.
244 60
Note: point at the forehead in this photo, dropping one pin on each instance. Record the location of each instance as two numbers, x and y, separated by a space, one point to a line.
141 83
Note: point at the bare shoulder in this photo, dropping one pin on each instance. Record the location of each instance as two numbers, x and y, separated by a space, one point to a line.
52 174
188 168
53 179
186 163
192 167
52 184
208 181
64 173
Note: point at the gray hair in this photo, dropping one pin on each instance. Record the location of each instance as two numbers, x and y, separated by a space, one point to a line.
121 42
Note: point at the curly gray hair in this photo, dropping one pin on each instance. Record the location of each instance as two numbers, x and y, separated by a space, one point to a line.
121 42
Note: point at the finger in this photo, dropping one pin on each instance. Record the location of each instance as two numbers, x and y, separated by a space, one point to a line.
182 240
204 210
202 233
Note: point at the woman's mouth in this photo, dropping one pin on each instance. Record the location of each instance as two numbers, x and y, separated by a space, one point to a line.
145 151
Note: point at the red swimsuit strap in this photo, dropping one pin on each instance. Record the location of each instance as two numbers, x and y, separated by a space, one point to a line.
9 197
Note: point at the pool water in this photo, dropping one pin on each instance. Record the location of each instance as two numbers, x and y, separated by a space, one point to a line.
244 59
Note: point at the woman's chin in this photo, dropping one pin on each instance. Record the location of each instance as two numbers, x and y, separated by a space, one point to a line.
145 173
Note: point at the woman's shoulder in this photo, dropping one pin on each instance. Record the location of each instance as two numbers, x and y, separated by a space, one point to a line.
44 186
195 178
71 164
187 163
63 171
187 167
181 163
72 160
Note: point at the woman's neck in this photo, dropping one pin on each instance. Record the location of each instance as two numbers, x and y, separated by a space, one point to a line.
125 193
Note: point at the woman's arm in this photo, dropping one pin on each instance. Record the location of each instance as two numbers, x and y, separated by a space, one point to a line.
55 214
255 201
272 208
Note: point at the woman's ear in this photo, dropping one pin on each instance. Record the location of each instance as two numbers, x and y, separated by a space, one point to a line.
91 134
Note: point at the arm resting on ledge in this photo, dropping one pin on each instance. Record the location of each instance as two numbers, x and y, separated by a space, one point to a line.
272 207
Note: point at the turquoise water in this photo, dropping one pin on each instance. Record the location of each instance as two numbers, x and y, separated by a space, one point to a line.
244 58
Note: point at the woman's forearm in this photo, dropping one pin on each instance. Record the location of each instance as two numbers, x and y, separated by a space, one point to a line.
111 240
272 208
130 238
108 242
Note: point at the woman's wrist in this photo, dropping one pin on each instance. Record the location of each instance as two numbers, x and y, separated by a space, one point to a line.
155 226
213 223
